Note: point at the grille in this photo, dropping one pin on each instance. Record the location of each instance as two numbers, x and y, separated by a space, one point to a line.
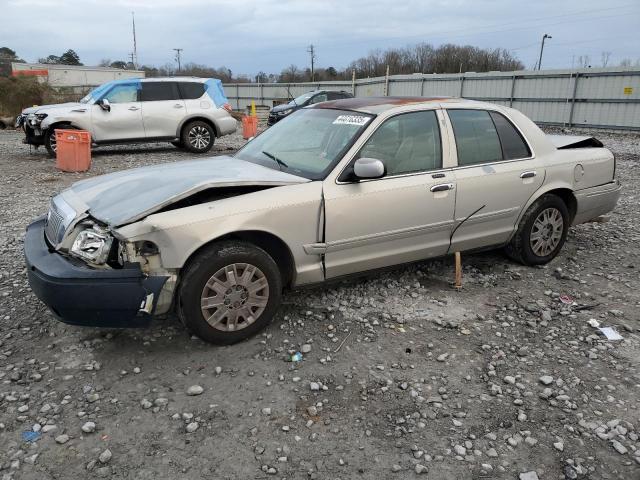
54 224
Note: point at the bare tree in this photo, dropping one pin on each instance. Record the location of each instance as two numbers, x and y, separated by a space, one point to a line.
605 58
584 61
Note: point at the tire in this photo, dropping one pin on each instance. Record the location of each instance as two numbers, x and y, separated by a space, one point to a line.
198 136
547 222
206 278
50 142
50 138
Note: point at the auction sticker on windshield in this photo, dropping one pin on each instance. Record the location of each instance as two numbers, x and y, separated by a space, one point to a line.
351 120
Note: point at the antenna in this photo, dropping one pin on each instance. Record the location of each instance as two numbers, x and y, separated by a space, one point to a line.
178 50
134 56
312 53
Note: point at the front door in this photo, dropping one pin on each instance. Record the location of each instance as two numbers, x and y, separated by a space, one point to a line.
495 177
162 109
406 215
123 121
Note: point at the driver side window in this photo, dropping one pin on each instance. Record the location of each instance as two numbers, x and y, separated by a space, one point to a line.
123 94
318 99
406 143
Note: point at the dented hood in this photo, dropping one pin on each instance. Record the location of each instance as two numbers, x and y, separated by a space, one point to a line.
126 196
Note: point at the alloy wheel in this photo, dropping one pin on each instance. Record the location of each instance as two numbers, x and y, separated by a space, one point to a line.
546 232
53 141
234 297
199 137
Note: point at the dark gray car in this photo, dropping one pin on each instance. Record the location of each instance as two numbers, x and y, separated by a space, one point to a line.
278 112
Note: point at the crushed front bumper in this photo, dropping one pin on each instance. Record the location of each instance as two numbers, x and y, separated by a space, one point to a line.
80 295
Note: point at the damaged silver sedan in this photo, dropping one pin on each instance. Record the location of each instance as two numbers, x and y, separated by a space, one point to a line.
336 189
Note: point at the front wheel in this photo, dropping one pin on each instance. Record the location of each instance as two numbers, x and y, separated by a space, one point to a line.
50 142
229 292
541 233
198 136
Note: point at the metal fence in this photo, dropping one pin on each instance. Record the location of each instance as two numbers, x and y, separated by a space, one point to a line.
599 98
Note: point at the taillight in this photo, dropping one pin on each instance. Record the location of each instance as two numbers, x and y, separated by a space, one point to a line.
227 107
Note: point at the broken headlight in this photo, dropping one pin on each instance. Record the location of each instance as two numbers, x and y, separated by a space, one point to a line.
93 245
36 118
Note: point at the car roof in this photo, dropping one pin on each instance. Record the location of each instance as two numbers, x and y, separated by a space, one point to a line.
377 105
174 79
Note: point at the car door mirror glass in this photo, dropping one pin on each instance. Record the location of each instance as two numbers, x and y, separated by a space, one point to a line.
368 168
105 105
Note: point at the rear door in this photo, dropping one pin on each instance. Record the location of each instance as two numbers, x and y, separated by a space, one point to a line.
406 215
496 174
162 109
123 121
192 94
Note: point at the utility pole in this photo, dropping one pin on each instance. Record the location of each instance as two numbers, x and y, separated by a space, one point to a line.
134 55
545 36
178 50
312 53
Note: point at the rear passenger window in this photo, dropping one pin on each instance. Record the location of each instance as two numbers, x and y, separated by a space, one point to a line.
476 137
158 91
513 145
191 90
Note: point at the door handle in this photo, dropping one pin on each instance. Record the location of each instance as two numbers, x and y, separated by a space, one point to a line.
529 174
177 105
133 109
443 187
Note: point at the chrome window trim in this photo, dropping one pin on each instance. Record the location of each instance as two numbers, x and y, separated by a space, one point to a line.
408 174
495 162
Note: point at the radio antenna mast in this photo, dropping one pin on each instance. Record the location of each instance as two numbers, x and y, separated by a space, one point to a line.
134 59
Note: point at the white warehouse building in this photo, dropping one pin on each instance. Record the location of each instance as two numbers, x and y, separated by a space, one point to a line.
73 77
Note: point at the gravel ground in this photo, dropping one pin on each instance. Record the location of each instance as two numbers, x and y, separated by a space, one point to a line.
402 377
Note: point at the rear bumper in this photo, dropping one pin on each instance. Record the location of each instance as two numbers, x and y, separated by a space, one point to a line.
80 295
596 201
226 125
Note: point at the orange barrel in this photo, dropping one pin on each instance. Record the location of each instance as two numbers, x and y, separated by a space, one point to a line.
249 127
73 150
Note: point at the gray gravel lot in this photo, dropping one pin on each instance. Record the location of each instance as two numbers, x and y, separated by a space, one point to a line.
403 377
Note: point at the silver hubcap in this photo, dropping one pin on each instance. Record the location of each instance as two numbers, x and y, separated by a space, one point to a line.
547 232
199 137
234 297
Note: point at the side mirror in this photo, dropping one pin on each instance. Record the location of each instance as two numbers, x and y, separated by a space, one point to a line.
369 168
105 105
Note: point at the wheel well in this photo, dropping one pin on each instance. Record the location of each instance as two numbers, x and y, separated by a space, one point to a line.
274 246
201 119
568 198
59 124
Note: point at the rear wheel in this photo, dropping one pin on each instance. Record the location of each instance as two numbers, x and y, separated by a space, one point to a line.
541 233
229 292
198 136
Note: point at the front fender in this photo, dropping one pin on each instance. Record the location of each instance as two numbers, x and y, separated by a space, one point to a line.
81 123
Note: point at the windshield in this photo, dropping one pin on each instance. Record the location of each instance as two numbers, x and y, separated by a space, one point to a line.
96 92
302 98
307 143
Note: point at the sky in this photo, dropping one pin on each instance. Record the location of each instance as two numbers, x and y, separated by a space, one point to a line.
269 35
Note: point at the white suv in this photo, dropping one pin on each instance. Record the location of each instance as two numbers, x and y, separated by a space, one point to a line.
189 112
